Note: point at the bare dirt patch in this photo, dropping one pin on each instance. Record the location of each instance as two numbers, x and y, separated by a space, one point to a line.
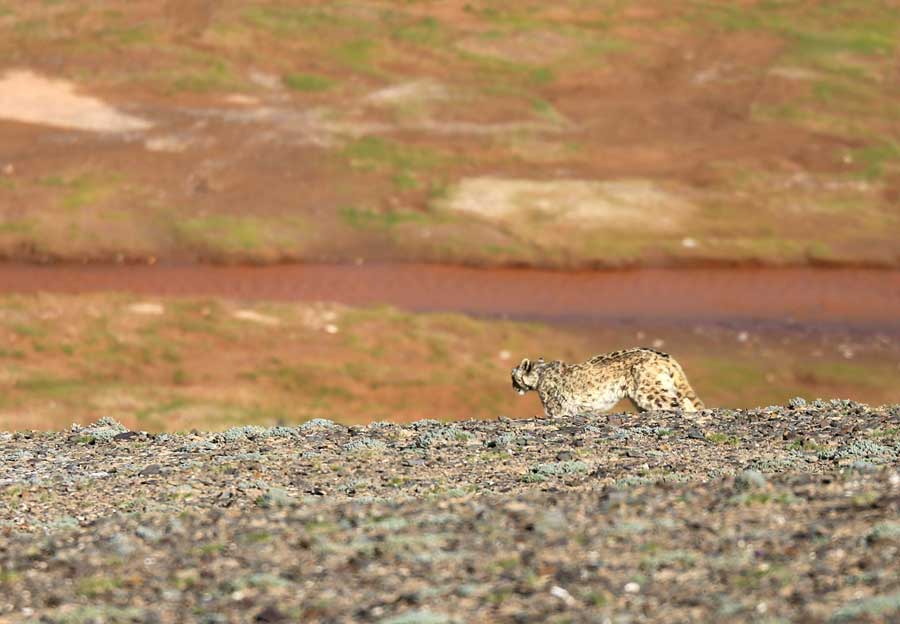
616 204
29 98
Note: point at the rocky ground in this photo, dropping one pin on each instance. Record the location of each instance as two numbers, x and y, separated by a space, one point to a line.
769 515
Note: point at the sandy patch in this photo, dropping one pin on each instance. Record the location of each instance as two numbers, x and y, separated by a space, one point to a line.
30 98
414 92
632 203
256 317
329 128
796 73
532 47
172 143
147 308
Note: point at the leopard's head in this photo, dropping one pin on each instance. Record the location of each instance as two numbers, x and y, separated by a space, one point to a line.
525 377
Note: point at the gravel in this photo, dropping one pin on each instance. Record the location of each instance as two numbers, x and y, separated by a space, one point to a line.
773 514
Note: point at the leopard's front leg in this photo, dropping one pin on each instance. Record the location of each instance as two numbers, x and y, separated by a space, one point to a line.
554 406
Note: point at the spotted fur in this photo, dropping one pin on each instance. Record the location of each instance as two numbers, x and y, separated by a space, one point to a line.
651 379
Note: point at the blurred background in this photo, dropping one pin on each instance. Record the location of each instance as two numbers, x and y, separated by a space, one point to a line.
215 211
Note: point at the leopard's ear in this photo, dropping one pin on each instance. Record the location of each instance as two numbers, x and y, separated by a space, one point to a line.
525 365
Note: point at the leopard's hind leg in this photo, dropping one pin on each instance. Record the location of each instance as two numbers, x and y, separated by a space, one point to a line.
657 390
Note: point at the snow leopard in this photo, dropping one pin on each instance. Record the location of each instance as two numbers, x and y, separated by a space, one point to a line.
651 379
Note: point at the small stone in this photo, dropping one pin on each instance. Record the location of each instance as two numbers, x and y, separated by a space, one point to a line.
417 617
270 614
563 594
632 588
152 469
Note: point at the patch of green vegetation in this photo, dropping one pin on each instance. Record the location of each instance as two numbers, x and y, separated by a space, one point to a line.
836 372
180 377
425 31
231 234
373 153
406 164
848 42
541 76
812 30
878 158
730 375
211 548
805 445
29 330
357 54
154 415
765 498
288 21
777 112
850 95
867 39
84 189
88 190
304 380
35 28
54 387
888 432
127 35
546 110
371 219
17 226
257 537
97 585
307 82
721 438
213 75
614 248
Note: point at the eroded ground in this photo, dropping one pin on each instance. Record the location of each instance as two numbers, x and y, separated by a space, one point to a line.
766 515
479 132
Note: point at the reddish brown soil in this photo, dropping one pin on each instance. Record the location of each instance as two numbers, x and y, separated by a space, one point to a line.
841 297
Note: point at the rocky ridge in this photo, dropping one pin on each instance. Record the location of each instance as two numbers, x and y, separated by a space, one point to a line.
765 515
